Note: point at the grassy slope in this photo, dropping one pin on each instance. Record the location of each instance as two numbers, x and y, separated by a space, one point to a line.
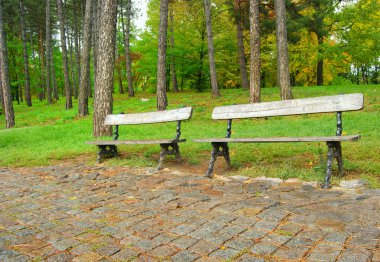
44 134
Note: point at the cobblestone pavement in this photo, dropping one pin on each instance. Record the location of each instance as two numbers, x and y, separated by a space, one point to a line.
83 213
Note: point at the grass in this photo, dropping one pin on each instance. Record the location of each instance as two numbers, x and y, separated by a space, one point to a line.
46 134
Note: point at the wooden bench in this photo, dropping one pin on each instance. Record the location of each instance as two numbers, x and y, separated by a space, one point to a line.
108 148
338 104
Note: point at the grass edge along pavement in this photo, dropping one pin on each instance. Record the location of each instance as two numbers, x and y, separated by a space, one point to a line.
46 134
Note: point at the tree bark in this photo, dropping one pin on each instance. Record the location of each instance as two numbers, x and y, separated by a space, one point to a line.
240 45
254 82
76 41
161 65
214 80
172 57
5 87
69 103
70 43
54 78
95 26
105 71
41 58
48 53
127 47
283 77
28 97
85 71
118 68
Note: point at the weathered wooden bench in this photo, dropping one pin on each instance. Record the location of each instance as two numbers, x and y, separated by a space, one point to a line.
338 104
108 148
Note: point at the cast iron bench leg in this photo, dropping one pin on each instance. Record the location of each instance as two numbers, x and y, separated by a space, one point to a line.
216 151
165 151
334 151
106 151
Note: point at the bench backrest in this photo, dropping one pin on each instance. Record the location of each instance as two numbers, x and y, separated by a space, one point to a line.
324 104
149 117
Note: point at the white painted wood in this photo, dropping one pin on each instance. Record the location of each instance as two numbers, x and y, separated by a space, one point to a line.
322 104
149 117
134 142
280 139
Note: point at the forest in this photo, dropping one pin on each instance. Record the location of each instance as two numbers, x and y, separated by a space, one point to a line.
50 48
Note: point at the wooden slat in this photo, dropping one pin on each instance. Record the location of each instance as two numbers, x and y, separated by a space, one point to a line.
281 139
322 104
134 142
149 117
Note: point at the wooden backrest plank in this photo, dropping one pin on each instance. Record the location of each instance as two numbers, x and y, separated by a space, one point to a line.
324 104
149 117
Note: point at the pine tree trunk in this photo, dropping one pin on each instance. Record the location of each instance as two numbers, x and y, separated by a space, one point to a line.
127 44
255 51
95 26
54 78
240 45
172 57
42 63
28 97
48 53
5 87
69 103
105 71
85 71
283 77
76 41
214 80
161 65
118 68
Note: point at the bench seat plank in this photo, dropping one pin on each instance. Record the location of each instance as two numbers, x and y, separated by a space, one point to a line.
149 117
134 142
280 139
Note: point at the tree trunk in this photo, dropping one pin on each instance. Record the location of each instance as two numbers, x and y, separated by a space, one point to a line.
255 82
172 57
118 68
5 87
283 77
42 63
48 53
240 45
127 44
28 97
95 26
85 71
76 41
320 63
161 65
70 40
214 80
54 78
105 71
69 103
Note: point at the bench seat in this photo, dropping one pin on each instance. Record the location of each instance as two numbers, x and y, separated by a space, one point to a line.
135 142
280 139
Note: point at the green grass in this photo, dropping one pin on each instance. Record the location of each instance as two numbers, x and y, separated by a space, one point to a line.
46 134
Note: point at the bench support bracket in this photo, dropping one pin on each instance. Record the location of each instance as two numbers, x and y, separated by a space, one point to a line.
334 151
106 151
165 150
218 149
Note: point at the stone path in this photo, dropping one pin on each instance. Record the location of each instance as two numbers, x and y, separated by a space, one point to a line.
83 213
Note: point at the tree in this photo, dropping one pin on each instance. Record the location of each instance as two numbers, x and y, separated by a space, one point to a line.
255 51
127 47
28 97
5 87
161 64
69 103
48 53
105 71
85 70
172 57
283 78
240 44
214 81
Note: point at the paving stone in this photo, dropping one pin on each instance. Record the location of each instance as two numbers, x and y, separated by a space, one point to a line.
292 254
184 242
354 255
126 254
146 244
91 256
239 244
163 251
250 258
108 250
225 254
253 234
203 247
352 184
60 257
65 244
263 249
184 256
